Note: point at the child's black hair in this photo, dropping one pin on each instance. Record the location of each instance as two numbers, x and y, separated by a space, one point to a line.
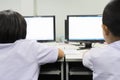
111 17
12 26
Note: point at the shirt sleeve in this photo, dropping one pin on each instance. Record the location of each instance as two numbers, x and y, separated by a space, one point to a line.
45 54
87 60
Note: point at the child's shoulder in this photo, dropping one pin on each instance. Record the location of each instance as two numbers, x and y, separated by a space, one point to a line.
25 41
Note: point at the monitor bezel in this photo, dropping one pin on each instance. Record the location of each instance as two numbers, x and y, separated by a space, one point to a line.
83 40
54 27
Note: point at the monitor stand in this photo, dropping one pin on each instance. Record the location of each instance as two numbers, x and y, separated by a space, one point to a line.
86 46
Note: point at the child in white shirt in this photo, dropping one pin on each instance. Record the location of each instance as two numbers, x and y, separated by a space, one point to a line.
20 59
105 61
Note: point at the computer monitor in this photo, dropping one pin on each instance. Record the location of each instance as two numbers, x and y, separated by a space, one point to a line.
40 28
85 28
66 29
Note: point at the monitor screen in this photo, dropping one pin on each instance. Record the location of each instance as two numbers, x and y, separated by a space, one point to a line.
85 28
40 28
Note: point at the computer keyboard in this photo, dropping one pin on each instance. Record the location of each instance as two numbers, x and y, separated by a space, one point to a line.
67 47
62 46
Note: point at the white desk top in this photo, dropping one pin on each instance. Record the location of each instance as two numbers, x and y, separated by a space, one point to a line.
75 54
71 51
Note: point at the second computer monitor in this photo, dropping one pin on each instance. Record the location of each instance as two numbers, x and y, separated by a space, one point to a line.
85 28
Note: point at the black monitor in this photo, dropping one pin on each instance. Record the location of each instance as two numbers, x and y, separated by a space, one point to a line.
40 28
85 29
66 29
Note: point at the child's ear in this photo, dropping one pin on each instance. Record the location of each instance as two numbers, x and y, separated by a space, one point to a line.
105 29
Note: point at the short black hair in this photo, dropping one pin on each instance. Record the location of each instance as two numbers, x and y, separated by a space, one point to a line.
12 26
111 17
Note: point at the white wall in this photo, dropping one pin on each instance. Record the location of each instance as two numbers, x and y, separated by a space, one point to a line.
59 8
25 7
10 4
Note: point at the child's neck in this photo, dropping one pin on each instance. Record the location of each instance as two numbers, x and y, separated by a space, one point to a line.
113 39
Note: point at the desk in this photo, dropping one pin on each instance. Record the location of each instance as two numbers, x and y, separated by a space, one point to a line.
69 68
75 69
52 71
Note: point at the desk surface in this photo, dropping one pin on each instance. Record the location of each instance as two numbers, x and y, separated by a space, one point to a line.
71 52
75 54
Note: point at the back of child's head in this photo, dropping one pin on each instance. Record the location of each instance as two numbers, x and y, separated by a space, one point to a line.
12 26
111 17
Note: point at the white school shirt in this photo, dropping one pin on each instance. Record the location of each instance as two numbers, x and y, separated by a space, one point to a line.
104 62
21 60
